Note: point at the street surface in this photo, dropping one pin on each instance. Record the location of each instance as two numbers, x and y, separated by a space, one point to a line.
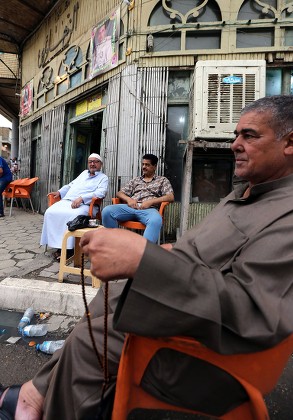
20 361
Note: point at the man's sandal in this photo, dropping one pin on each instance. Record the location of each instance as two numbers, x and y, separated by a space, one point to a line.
8 408
57 255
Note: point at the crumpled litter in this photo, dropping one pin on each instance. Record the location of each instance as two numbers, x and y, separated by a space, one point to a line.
13 340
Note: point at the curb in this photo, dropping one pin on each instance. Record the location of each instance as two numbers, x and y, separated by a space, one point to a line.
58 298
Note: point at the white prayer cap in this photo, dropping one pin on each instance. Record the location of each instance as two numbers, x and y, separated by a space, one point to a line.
95 155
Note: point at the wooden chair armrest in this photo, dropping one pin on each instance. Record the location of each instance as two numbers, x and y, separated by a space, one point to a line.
116 200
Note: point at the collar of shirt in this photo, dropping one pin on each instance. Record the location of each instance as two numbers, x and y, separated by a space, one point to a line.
153 178
96 173
262 188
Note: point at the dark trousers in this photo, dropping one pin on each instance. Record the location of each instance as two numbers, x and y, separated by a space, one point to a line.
72 379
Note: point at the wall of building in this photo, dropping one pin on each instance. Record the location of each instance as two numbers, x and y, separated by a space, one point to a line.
156 41
68 25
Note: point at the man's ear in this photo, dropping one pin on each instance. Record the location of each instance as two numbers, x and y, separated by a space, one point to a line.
289 144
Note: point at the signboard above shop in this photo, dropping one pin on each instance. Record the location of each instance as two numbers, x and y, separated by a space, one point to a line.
89 104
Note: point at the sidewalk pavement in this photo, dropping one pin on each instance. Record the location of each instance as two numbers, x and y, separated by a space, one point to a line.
29 276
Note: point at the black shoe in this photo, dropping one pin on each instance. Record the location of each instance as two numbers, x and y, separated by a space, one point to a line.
56 255
69 253
8 408
2 215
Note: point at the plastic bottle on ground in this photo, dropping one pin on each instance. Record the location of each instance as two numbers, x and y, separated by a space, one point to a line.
35 330
50 347
26 319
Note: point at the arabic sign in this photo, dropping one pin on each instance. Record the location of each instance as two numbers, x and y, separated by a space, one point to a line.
67 23
232 80
90 104
105 44
26 100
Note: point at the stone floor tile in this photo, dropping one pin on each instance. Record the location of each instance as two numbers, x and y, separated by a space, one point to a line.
7 263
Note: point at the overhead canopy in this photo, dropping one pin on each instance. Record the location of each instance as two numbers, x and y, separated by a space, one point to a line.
18 20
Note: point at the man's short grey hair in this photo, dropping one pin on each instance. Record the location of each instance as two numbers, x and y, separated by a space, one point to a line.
280 108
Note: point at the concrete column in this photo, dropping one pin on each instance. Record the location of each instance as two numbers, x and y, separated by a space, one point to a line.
185 200
15 138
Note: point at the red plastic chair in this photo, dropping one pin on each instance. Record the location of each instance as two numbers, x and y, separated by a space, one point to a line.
258 373
20 188
137 225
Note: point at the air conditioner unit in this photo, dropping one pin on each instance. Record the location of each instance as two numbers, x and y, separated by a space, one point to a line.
222 89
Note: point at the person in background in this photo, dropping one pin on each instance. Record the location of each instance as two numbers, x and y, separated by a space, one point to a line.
75 200
5 179
14 167
227 283
143 196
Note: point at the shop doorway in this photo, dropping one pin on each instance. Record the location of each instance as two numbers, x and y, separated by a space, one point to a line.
86 139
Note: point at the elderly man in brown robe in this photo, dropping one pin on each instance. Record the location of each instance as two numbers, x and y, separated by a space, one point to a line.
227 282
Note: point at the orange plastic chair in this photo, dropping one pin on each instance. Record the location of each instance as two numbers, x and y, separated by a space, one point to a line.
9 192
258 373
95 202
137 225
20 188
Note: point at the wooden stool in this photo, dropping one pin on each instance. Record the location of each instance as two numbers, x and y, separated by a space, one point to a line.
76 269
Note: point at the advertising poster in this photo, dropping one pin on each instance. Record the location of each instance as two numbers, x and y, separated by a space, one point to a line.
26 100
105 44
